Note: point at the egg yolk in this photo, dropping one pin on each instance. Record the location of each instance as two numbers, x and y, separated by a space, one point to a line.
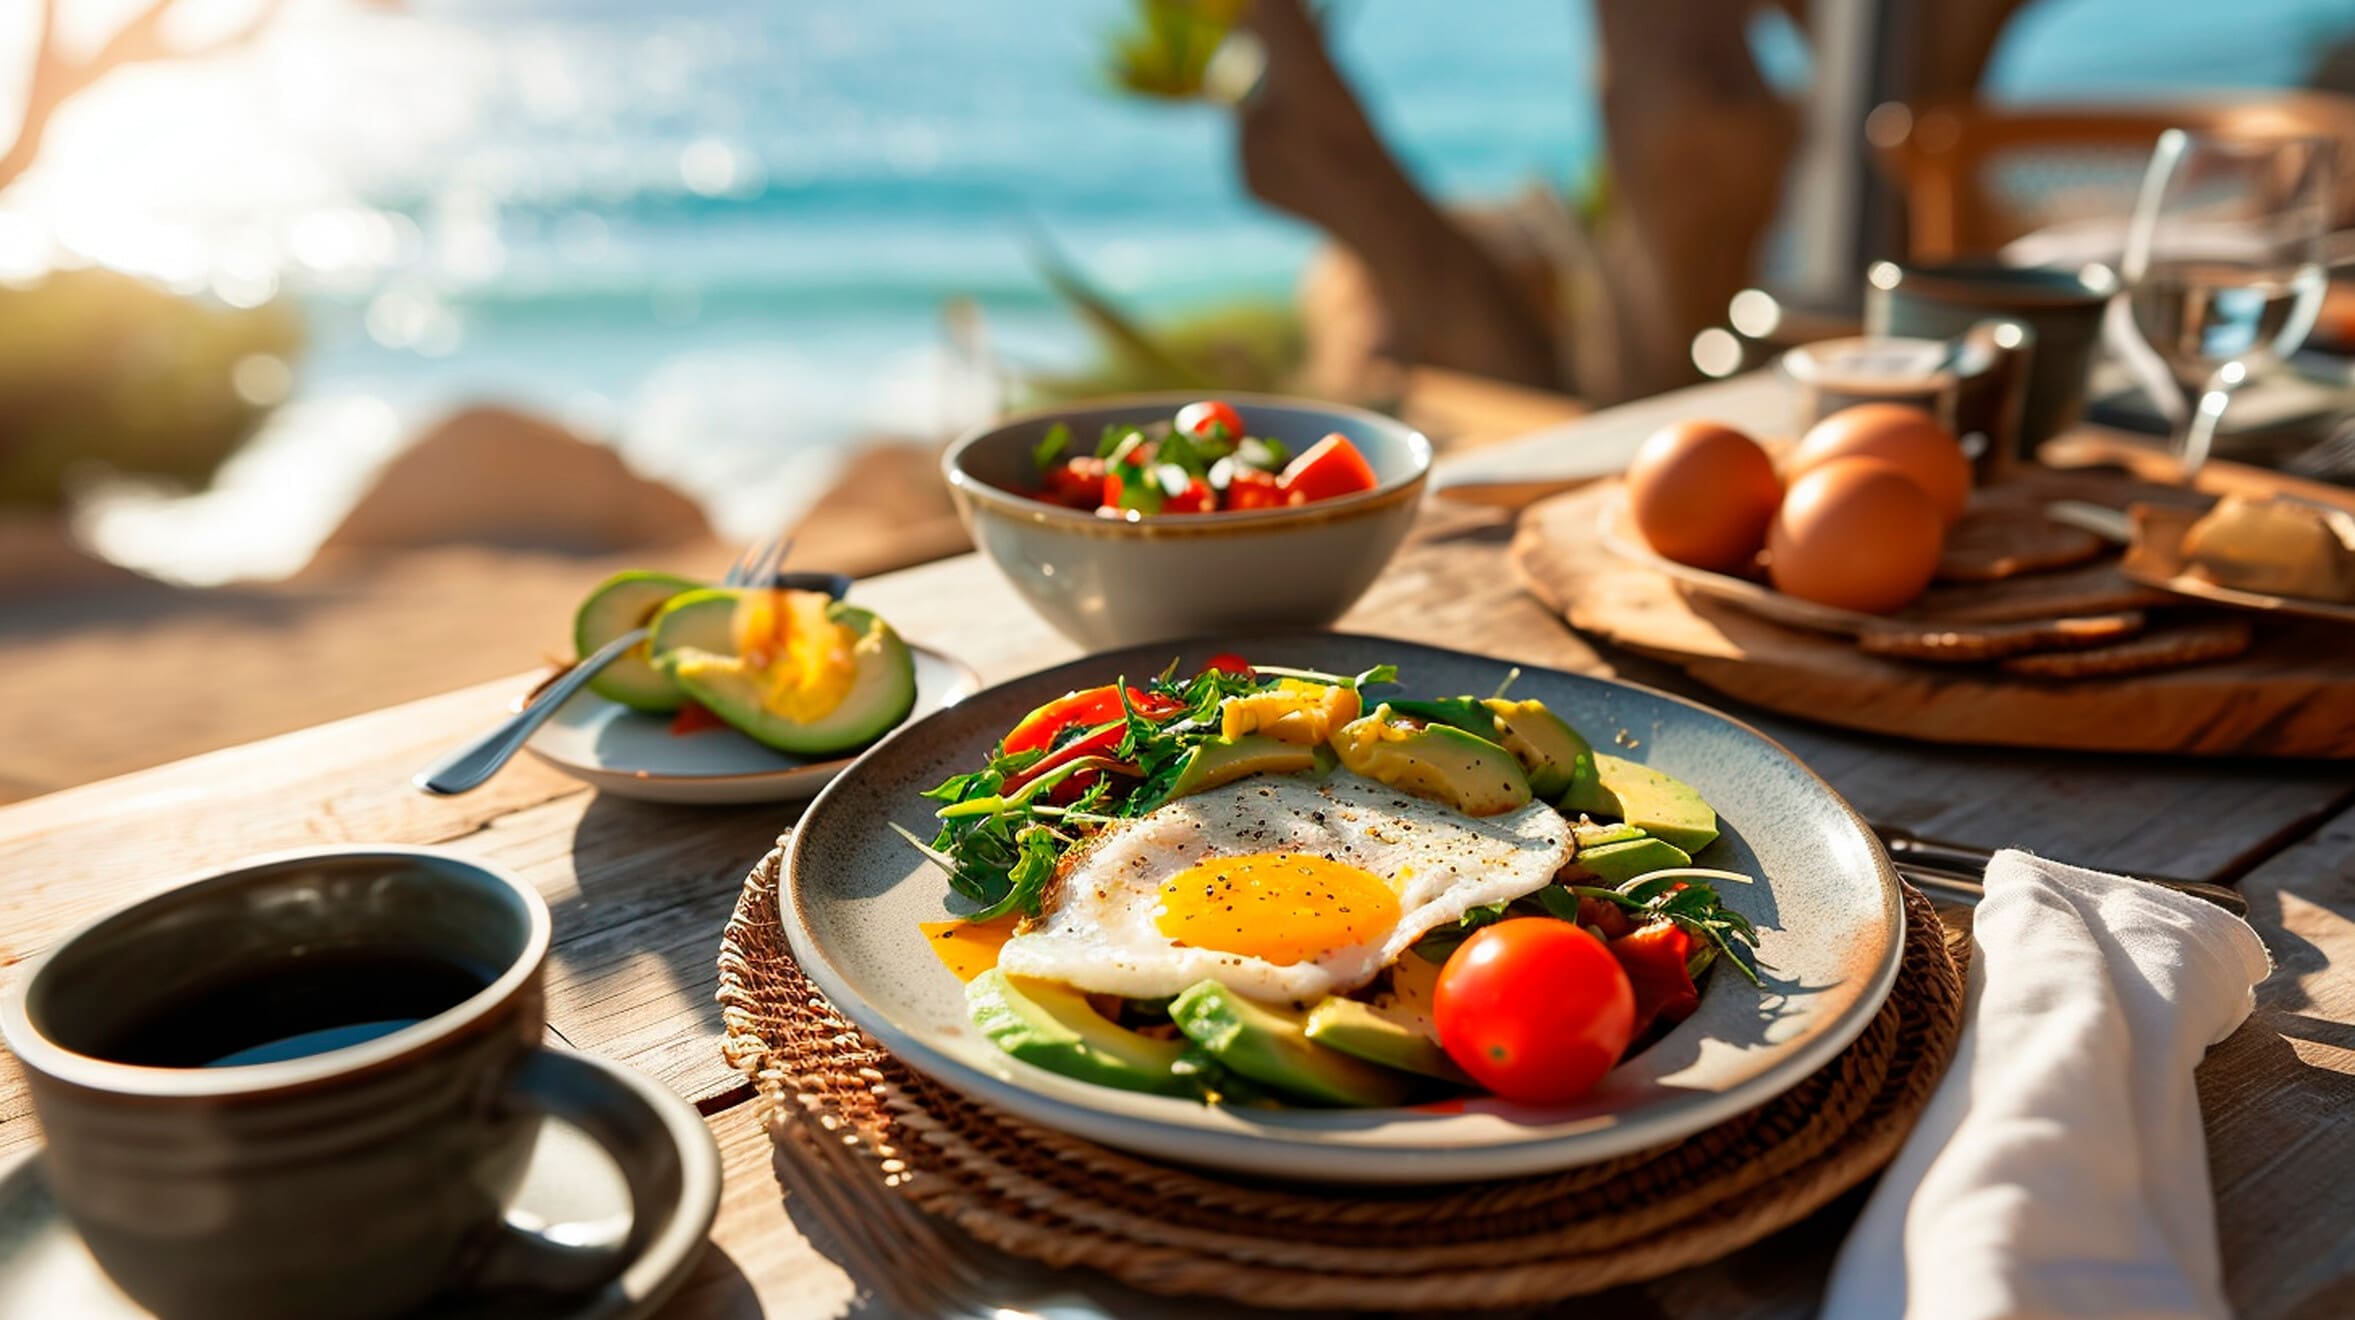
808 662
1281 908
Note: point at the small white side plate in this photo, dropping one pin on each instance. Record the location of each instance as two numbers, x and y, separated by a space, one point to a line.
618 750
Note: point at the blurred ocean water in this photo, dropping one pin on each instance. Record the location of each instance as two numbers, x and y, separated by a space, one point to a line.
720 234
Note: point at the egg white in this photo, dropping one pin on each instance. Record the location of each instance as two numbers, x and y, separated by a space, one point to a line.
1097 929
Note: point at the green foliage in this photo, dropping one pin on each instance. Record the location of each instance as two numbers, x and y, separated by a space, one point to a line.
100 370
1169 47
1241 346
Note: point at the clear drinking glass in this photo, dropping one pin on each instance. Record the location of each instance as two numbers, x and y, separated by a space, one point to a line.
2224 264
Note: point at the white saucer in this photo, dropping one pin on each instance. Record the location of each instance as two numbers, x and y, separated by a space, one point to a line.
572 1191
620 751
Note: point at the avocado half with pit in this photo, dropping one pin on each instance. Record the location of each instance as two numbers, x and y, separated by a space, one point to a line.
620 603
696 646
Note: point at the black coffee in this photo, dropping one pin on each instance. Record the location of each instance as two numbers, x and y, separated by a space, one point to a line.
299 1005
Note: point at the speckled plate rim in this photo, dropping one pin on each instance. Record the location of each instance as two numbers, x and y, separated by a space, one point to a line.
1368 1147
787 783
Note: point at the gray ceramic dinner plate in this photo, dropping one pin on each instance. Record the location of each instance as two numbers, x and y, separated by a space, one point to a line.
630 754
1830 923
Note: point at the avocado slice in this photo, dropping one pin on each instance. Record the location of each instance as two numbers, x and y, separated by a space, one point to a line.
1618 863
1271 1046
1394 1028
1588 834
1476 776
620 603
1550 750
695 644
1225 760
1052 1027
1660 805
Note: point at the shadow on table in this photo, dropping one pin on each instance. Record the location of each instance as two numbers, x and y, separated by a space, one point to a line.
640 934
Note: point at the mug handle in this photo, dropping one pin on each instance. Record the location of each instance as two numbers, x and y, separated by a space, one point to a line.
666 1156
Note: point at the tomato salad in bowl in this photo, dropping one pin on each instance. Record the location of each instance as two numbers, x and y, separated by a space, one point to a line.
1268 886
1201 461
1136 519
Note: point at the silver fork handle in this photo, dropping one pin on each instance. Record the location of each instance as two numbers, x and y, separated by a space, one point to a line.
465 769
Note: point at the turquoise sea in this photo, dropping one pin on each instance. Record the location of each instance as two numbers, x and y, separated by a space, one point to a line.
719 235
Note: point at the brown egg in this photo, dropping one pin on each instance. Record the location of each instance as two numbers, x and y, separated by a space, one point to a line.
1702 494
1857 534
1904 437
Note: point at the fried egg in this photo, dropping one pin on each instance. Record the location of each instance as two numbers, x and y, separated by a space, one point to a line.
1281 888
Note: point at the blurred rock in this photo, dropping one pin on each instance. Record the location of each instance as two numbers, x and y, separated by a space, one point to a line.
496 477
888 509
103 373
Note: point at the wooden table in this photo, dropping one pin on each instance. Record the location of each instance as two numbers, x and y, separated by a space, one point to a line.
640 892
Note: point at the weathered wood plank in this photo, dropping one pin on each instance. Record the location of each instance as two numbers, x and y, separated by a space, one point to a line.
2277 1095
71 856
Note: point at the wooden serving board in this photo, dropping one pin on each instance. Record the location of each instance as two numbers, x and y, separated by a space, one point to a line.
2291 694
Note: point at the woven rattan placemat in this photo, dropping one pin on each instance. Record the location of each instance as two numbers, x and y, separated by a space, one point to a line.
1069 1202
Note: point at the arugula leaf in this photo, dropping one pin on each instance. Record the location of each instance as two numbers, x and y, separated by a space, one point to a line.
1379 674
1262 453
1050 447
1115 435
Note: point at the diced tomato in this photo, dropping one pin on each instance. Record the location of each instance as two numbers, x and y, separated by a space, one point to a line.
1605 918
1201 419
1086 708
1078 482
1227 662
1332 467
1654 957
693 717
1250 488
1197 497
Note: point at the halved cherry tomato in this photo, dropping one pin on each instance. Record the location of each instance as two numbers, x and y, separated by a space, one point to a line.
1608 920
1197 497
1200 418
1331 467
1078 482
1250 488
1537 1010
1654 957
1086 708
1227 662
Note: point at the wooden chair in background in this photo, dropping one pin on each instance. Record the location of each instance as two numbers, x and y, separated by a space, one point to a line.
1975 177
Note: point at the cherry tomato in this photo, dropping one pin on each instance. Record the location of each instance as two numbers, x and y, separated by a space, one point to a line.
1197 497
1200 418
1227 662
1653 957
1606 919
1537 1010
1086 708
1250 488
1078 482
1331 467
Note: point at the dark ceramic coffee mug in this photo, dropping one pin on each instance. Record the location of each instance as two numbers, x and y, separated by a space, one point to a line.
2062 310
393 998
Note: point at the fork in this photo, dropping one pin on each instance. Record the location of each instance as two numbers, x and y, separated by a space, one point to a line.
468 767
910 1261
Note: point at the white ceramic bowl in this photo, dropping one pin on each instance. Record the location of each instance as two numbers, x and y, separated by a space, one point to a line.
1104 582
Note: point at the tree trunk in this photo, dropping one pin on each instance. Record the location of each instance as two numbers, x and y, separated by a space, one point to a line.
1698 145
1308 149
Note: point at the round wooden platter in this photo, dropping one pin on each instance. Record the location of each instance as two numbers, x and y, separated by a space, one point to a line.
2291 694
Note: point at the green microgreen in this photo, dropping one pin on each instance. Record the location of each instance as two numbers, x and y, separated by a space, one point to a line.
1050 447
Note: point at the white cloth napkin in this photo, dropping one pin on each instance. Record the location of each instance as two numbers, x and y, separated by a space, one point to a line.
2060 1169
